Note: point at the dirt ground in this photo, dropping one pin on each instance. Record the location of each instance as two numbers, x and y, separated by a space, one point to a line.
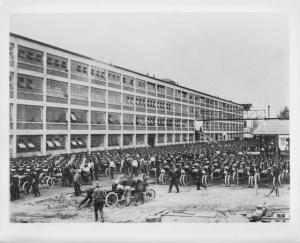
216 204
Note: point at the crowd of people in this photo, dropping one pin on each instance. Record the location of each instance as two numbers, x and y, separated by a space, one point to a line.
230 161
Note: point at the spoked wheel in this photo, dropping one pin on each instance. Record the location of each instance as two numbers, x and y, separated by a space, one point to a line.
26 187
49 183
150 194
111 199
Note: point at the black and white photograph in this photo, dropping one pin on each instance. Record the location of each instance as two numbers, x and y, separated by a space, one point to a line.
149 117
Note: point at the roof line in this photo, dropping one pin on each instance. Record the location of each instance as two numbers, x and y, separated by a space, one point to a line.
116 66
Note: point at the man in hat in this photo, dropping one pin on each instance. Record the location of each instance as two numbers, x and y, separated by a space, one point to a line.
99 199
175 174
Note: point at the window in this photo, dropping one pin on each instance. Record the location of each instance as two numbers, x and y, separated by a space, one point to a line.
150 87
151 121
56 142
30 84
177 122
170 122
114 77
79 68
140 120
98 117
127 80
29 55
177 137
57 89
56 115
170 92
140 139
98 95
161 121
57 62
78 141
140 84
113 140
140 101
127 139
178 108
128 119
29 113
128 100
78 116
97 140
114 118
161 89
114 98
11 54
28 143
161 138
178 94
151 103
98 73
79 92
11 81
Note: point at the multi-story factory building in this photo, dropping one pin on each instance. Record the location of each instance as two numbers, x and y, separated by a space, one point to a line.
64 102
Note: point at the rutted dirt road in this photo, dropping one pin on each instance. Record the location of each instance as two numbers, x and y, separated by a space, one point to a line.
58 205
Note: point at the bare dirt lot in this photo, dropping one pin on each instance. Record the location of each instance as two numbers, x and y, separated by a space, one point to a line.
216 204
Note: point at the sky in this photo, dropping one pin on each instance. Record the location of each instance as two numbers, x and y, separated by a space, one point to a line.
243 57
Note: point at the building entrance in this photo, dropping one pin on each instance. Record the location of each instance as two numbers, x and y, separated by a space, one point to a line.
151 139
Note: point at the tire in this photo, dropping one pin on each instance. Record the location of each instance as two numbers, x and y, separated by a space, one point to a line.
26 187
111 199
184 181
49 183
163 179
150 194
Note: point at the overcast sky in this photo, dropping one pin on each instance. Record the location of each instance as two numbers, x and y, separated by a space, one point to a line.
241 57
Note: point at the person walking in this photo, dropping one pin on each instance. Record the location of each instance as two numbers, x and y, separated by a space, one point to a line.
99 199
89 197
175 174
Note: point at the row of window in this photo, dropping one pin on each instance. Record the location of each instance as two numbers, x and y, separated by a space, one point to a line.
33 143
29 113
35 57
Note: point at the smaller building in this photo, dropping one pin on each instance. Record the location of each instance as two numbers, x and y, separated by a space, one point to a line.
274 133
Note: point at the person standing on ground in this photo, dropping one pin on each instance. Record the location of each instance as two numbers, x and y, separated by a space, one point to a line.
112 166
175 174
35 184
77 182
135 165
99 199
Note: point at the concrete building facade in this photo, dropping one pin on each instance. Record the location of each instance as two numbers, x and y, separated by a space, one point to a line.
63 102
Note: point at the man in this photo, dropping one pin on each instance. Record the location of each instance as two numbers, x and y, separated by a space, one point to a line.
112 166
135 167
99 199
175 174
14 187
89 197
275 173
199 179
77 182
140 191
35 184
